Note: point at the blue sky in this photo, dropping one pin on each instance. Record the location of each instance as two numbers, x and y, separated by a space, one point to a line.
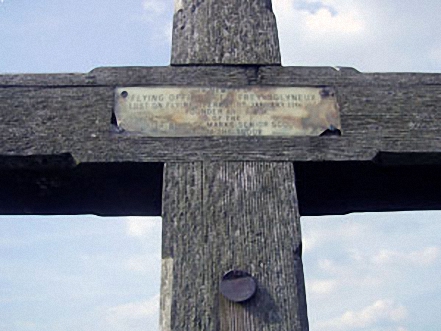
376 272
79 273
367 272
79 35
364 272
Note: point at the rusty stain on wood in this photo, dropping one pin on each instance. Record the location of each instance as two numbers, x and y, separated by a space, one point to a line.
214 111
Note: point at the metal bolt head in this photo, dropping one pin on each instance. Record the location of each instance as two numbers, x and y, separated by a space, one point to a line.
327 92
238 286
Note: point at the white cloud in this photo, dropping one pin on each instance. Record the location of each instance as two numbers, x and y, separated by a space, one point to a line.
137 264
321 287
168 31
355 274
360 34
324 23
352 259
309 242
133 313
158 14
144 263
329 20
142 226
323 235
435 55
424 257
155 7
328 266
379 312
27 325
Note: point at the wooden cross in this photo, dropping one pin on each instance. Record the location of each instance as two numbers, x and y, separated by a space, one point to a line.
228 202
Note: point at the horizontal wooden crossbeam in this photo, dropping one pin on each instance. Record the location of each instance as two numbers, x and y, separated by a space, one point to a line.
71 113
52 185
58 143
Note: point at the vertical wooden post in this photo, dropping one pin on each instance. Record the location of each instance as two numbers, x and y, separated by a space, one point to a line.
220 216
225 32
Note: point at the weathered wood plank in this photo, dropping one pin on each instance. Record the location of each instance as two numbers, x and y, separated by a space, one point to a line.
223 216
220 75
225 31
68 79
54 185
185 236
42 185
54 119
255 220
394 113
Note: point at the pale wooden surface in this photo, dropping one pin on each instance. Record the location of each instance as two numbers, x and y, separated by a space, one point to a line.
224 32
236 215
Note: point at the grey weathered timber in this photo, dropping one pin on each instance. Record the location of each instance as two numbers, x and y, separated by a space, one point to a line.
220 216
247 217
224 32
380 113
227 203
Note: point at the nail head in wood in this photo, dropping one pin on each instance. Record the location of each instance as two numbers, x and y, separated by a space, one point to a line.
238 286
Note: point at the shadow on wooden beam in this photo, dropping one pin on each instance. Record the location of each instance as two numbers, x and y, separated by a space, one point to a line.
337 188
55 185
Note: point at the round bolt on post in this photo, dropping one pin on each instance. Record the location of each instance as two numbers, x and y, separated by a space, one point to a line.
238 286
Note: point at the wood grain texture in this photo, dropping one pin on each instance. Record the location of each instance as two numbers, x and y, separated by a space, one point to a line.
221 216
225 32
184 241
166 294
380 113
219 75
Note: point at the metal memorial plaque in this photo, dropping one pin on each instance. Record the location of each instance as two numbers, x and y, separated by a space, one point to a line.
213 111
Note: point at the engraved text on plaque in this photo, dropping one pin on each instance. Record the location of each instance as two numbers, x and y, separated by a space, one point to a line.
214 111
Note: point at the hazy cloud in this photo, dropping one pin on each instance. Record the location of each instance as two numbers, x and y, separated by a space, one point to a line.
435 54
141 226
27 326
379 312
321 287
424 257
135 315
352 259
155 7
326 25
313 7
158 13
135 310
357 274
368 35
144 263
322 236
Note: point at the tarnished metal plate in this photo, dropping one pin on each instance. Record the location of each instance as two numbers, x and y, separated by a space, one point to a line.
212 111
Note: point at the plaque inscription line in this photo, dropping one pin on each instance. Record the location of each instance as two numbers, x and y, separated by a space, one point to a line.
216 111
